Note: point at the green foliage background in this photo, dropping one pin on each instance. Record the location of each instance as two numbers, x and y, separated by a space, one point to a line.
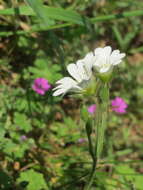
38 39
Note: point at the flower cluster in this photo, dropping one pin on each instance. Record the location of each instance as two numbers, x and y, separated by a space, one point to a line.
102 60
105 59
80 72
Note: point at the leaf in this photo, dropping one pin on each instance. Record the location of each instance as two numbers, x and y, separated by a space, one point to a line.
125 170
38 8
130 175
70 16
22 122
44 69
70 123
118 36
13 150
5 181
2 132
49 12
33 180
67 131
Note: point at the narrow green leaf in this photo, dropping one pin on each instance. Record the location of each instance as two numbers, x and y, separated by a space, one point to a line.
49 12
34 28
117 16
69 16
38 8
118 36
130 36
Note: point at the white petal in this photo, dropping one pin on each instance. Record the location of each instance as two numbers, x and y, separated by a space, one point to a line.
106 55
97 62
81 70
115 52
104 69
117 62
102 56
107 50
59 92
89 60
98 51
73 71
66 80
76 87
64 85
59 87
122 55
116 57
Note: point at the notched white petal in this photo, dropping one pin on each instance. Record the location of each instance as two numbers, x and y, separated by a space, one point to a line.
66 80
82 70
105 58
88 62
59 92
116 58
122 55
73 71
64 85
107 50
98 51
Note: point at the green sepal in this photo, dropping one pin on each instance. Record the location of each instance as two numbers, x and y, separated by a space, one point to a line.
89 126
105 77
91 88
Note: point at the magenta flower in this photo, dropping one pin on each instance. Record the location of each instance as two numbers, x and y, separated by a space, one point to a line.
23 138
119 105
81 140
40 86
91 109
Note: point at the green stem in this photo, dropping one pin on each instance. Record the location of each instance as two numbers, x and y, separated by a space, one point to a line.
92 175
102 106
89 127
100 135
91 148
102 123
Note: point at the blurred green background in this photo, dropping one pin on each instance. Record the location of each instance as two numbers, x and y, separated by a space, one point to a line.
42 141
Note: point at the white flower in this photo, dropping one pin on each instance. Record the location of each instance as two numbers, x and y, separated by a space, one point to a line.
80 72
105 59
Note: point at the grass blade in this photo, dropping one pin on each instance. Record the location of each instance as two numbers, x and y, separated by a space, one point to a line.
50 12
67 15
38 8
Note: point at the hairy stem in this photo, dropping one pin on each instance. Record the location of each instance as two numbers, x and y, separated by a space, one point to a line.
101 122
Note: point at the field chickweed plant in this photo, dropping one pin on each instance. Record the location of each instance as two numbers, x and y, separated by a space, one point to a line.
96 68
71 118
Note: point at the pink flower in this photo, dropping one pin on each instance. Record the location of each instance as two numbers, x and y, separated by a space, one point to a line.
23 138
81 140
119 105
40 86
91 109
